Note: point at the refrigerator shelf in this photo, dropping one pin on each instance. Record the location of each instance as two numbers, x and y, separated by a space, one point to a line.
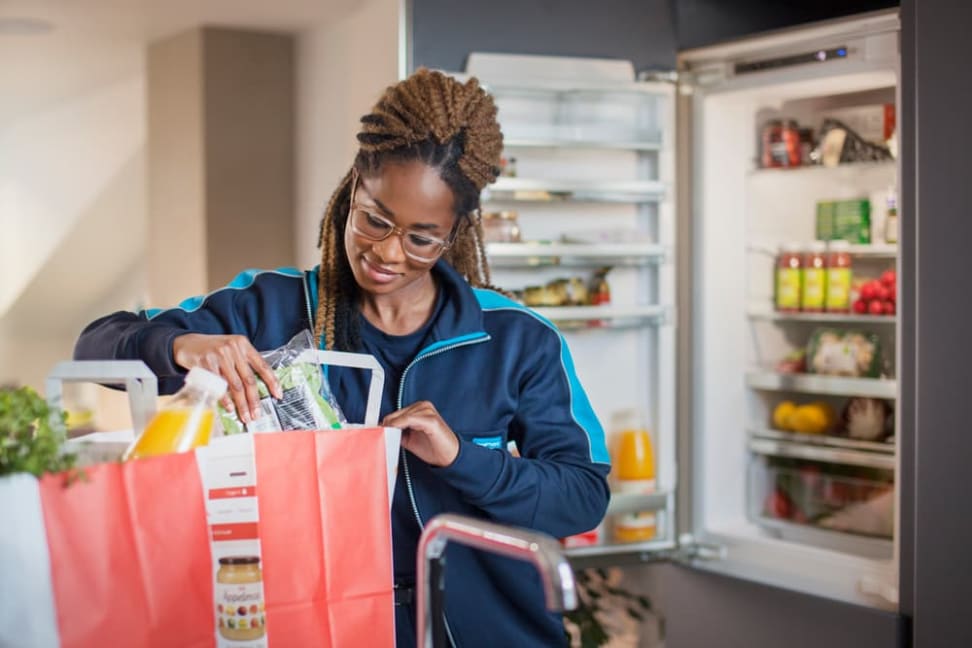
768 314
816 384
868 251
799 173
868 546
614 554
823 440
530 190
800 450
532 254
611 316
576 139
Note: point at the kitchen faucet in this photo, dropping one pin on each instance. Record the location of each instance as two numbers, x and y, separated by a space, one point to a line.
540 549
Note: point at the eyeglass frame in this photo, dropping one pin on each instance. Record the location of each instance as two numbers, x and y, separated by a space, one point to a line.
444 244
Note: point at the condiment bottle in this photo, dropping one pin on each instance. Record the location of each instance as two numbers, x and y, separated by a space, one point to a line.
891 219
186 421
789 278
791 142
634 473
772 140
813 295
839 276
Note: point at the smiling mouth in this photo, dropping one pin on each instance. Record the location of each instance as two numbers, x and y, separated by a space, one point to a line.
377 271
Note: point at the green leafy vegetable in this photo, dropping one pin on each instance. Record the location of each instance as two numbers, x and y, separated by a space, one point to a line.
31 435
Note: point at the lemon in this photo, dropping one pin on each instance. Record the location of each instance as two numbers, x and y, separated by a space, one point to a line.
782 414
815 418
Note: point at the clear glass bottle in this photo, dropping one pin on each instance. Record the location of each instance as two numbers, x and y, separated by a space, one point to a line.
186 421
634 472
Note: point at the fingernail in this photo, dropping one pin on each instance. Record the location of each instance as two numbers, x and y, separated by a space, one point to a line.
244 417
255 413
230 407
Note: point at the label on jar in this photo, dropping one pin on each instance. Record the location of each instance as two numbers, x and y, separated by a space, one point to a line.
813 288
788 288
638 526
838 289
240 611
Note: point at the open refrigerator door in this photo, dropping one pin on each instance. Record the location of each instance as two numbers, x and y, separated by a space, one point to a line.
791 380
581 228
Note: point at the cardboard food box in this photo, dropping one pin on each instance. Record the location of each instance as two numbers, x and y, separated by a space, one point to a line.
849 220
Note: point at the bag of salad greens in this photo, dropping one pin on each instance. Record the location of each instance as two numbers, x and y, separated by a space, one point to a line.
307 403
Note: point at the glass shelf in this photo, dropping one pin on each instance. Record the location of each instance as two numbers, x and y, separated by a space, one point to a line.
589 317
823 440
761 313
636 142
800 450
530 190
533 253
817 384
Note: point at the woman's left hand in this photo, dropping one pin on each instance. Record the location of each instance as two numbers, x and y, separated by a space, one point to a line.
425 434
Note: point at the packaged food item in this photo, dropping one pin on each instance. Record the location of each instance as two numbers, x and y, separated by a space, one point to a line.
789 278
891 218
634 472
849 220
307 402
813 293
866 419
838 497
854 354
240 608
185 422
839 277
772 142
501 227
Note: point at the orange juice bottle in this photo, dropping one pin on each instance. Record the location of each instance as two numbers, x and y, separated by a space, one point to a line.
186 421
634 473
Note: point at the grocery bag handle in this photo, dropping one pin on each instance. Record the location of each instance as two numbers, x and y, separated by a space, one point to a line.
360 361
140 383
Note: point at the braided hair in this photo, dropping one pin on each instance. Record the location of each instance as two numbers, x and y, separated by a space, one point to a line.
450 126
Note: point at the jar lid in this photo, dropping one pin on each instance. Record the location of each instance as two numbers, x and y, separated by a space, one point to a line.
239 560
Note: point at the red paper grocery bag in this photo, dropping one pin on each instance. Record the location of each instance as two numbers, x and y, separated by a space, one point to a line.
132 548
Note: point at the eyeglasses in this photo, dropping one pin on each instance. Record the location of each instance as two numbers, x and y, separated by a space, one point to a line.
418 246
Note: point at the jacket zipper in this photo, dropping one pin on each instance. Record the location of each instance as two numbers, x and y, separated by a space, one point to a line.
408 475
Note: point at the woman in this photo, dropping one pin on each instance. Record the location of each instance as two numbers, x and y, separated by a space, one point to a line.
404 277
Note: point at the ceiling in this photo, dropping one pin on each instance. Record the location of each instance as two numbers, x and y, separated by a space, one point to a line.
96 42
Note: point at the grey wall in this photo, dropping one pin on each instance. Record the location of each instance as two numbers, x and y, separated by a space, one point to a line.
703 22
445 31
937 98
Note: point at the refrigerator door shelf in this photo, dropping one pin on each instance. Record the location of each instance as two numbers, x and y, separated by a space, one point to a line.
819 384
766 313
824 441
774 448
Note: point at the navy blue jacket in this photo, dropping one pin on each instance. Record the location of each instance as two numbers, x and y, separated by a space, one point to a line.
496 372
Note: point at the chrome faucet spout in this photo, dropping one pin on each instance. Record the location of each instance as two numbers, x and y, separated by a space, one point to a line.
539 549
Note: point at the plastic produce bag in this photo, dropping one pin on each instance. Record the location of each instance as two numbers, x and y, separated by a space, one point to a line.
854 354
307 403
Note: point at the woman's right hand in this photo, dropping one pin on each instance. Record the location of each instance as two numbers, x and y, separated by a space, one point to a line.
233 358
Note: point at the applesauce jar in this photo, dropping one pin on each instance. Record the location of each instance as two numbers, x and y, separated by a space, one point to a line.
814 291
239 598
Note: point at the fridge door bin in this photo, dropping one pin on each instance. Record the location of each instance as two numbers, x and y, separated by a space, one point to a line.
787 493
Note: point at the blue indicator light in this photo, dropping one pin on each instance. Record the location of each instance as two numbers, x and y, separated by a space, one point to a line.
841 52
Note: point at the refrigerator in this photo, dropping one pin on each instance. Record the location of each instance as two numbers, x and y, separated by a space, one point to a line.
666 185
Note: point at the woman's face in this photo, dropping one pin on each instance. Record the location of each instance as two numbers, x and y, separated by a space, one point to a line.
412 197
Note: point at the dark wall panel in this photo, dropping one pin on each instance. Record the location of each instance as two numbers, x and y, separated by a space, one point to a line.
444 32
703 22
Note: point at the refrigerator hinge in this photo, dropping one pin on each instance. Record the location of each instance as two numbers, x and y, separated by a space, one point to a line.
690 550
707 75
